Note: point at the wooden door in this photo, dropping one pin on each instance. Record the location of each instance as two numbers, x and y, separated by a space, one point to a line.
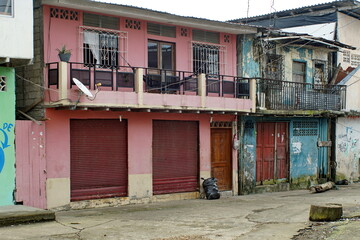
272 159
221 157
265 151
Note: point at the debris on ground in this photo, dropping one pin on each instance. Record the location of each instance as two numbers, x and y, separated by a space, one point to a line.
342 182
211 189
322 187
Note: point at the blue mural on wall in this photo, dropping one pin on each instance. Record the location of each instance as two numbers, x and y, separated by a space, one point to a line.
4 143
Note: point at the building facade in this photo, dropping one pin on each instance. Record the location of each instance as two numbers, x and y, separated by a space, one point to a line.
286 144
17 41
155 110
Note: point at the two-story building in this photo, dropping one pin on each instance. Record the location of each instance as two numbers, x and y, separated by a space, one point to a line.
17 49
152 109
335 21
286 144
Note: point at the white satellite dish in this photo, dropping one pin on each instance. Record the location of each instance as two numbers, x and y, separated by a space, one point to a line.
83 88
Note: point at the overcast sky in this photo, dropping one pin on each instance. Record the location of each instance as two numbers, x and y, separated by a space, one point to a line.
218 10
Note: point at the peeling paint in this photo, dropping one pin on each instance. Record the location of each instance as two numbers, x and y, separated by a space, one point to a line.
296 147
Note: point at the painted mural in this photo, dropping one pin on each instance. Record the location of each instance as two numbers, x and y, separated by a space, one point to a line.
7 136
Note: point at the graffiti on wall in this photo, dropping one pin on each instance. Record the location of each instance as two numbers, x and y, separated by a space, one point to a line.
348 141
4 142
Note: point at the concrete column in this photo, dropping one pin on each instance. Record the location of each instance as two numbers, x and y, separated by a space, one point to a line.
63 80
139 86
202 88
253 94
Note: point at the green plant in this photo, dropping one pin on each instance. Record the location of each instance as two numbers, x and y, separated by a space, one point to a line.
63 50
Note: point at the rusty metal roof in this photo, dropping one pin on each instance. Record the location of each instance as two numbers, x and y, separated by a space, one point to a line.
349 7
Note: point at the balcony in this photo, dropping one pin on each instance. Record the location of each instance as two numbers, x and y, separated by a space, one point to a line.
293 96
145 89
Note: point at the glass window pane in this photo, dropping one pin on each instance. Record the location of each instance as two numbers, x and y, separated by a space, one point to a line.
6 7
152 55
167 56
299 71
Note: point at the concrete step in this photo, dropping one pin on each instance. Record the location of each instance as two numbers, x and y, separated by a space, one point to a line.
17 214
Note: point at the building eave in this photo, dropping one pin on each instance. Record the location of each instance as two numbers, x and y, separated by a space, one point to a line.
151 15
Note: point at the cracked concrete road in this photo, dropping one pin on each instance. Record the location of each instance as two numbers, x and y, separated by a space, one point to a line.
259 216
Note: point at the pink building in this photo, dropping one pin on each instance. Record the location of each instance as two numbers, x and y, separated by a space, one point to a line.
164 116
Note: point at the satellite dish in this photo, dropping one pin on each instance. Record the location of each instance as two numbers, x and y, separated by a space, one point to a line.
82 88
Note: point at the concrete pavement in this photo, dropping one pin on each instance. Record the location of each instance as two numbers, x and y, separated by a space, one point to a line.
260 216
18 214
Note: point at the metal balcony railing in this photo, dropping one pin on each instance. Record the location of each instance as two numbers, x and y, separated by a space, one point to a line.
283 95
169 81
155 80
225 85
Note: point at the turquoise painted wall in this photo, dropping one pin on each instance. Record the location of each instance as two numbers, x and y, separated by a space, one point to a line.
7 138
248 159
251 68
307 161
303 151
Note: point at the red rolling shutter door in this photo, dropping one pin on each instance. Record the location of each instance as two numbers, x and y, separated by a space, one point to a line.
175 156
98 158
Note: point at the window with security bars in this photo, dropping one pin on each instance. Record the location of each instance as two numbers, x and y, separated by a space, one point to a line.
101 47
6 7
2 83
305 128
208 58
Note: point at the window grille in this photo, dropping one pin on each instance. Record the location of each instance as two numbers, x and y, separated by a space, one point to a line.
103 47
6 7
346 56
205 36
161 30
355 59
305 128
2 83
274 67
208 58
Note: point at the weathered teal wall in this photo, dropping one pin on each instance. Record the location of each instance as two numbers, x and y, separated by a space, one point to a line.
307 161
248 157
251 68
7 149
303 154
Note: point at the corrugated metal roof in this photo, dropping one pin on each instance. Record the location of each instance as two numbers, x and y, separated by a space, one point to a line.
333 5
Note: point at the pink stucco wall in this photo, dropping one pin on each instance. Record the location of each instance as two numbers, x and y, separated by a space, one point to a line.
58 32
139 138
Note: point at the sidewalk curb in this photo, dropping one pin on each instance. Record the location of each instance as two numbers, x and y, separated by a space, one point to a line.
12 218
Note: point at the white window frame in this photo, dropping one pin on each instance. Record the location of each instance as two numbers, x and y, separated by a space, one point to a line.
2 14
121 48
222 56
